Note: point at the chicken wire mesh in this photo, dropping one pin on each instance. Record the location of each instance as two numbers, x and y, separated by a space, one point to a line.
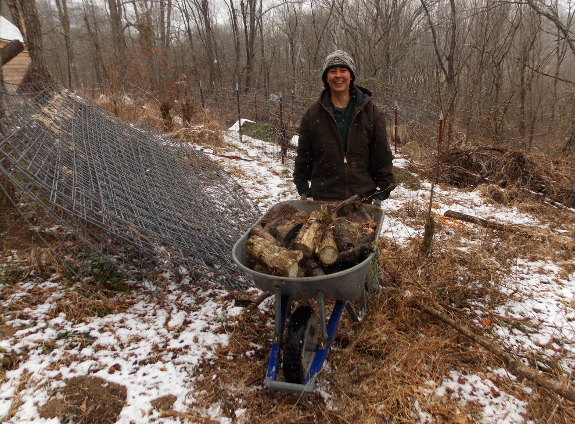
130 194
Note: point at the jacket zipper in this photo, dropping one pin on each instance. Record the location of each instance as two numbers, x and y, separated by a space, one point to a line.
346 170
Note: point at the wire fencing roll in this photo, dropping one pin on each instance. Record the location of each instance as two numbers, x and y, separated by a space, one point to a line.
133 195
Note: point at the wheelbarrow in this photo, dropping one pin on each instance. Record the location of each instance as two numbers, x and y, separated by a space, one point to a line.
305 345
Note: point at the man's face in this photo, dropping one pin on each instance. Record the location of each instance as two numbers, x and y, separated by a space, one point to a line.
338 79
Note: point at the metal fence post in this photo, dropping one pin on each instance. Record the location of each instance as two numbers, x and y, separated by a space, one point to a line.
439 139
395 127
239 112
255 106
202 96
292 120
283 146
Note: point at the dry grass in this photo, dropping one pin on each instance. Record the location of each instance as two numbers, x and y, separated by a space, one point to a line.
203 129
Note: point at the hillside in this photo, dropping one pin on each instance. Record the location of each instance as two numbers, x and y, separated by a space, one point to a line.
172 351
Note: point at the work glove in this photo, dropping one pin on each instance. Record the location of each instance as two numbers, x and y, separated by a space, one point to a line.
380 197
305 195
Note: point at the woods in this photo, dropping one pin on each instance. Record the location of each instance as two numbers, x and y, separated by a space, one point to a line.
499 71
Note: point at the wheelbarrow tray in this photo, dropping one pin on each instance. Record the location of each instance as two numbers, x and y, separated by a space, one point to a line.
343 287
346 285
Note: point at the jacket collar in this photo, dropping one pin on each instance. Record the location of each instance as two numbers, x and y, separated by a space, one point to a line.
362 95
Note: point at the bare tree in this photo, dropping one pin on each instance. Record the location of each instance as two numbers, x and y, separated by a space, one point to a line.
200 12
551 12
65 22
116 17
101 72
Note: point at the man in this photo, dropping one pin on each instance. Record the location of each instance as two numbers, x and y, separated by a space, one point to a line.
343 148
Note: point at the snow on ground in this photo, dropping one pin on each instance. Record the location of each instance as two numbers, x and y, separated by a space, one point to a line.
123 347
119 347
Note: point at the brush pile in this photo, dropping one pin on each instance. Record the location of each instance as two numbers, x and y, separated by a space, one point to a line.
290 242
549 177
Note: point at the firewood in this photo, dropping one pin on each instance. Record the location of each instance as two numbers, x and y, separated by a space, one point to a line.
342 208
353 210
284 229
361 215
261 268
306 239
287 211
311 268
356 255
280 261
327 249
367 239
346 233
257 230
336 267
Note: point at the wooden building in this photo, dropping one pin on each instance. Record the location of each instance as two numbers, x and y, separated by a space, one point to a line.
15 70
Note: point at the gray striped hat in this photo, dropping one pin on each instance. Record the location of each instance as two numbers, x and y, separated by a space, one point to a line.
338 58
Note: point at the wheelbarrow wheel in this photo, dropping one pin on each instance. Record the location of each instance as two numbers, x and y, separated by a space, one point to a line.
300 346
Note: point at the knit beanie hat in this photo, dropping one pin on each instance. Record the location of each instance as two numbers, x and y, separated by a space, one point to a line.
338 58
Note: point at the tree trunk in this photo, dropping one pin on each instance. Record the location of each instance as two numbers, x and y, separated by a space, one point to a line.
115 7
17 16
38 70
65 22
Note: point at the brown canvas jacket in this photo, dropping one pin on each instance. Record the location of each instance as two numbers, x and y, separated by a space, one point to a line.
365 166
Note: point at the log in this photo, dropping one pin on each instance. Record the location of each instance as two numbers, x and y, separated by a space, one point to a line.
312 268
367 239
306 239
565 242
342 208
513 365
258 300
261 268
327 250
259 231
284 229
10 51
356 255
346 233
486 223
361 215
280 261
286 210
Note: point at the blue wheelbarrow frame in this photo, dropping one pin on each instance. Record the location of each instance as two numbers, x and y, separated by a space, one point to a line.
343 287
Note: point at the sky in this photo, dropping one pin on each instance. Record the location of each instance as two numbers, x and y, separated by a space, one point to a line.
189 320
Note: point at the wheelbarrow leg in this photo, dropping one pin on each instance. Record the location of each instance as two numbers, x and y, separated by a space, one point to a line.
330 329
282 303
357 317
